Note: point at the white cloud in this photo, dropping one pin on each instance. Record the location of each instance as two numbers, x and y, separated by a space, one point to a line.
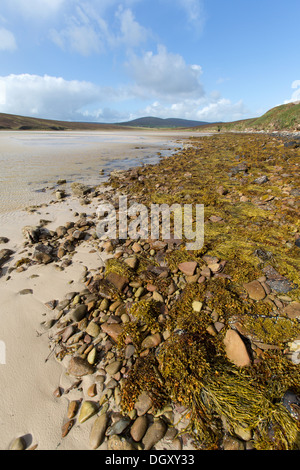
164 75
132 33
296 94
7 40
46 96
207 109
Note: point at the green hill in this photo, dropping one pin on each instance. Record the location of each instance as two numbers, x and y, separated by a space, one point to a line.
285 117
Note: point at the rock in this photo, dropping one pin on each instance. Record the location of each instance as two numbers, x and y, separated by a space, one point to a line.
117 280
119 443
139 428
79 367
151 341
231 443
113 330
118 427
292 310
18 444
5 254
61 231
97 434
72 409
276 281
79 312
129 351
235 349
113 367
154 434
240 168
131 262
255 290
136 247
79 189
87 410
188 267
197 306
93 329
216 218
4 240
158 297
26 292
143 404
66 428
291 402
43 254
261 180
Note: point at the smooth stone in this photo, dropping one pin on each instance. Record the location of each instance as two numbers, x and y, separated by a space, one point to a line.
72 409
18 444
236 350
97 434
131 262
79 367
112 329
129 351
91 358
158 297
93 329
188 267
87 410
118 427
79 312
255 290
117 280
151 341
154 434
139 428
292 310
119 443
113 367
143 404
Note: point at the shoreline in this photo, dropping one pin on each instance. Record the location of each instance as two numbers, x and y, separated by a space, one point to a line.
38 413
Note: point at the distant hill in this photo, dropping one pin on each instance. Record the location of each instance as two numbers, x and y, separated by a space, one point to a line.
154 122
284 117
22 123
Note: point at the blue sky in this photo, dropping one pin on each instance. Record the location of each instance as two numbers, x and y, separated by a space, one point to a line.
114 60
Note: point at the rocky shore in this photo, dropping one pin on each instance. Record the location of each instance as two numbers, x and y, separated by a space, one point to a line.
163 348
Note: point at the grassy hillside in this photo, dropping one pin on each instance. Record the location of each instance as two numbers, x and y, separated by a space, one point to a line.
284 117
13 122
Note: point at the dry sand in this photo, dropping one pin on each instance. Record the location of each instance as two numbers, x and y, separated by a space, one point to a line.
28 406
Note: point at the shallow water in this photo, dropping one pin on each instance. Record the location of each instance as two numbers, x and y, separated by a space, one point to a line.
31 163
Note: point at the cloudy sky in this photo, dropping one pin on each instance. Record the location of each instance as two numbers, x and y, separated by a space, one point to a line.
114 60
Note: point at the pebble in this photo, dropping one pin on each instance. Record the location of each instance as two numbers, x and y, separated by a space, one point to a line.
79 367
151 341
26 291
79 312
292 310
97 434
255 290
143 404
197 306
235 349
188 267
119 443
139 428
113 367
93 329
154 434
87 410
72 409
18 444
